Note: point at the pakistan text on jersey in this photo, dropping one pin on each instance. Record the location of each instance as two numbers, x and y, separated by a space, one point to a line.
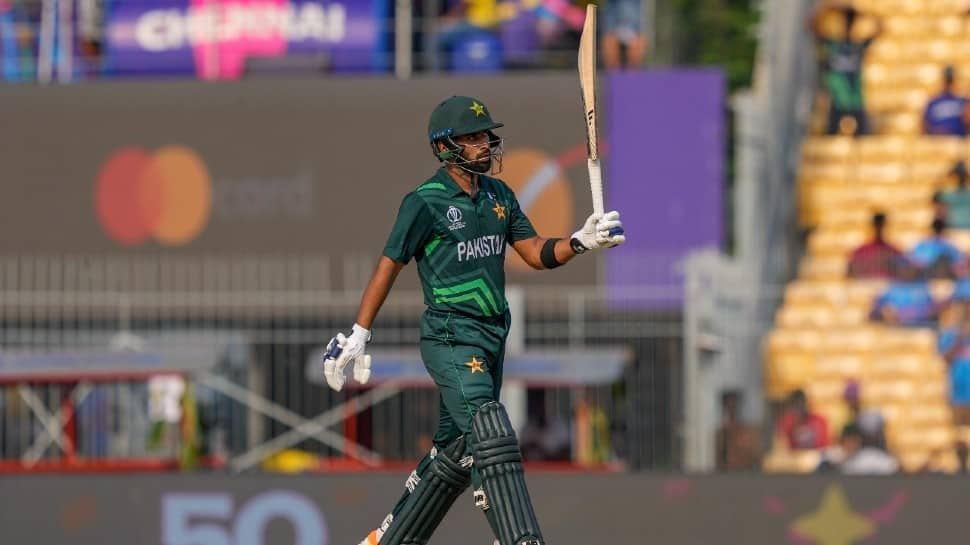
483 246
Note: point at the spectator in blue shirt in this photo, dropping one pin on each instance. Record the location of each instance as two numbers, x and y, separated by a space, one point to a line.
954 345
936 257
947 114
907 301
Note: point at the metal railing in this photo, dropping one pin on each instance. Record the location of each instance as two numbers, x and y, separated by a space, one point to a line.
266 316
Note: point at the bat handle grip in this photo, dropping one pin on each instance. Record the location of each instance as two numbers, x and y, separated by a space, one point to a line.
596 184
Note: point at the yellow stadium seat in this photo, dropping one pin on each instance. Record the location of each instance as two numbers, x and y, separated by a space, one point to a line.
828 148
817 316
849 340
841 366
920 340
917 217
786 372
880 391
901 123
944 149
953 26
836 241
823 268
792 340
882 148
896 365
824 390
881 171
906 237
863 292
920 414
781 460
825 171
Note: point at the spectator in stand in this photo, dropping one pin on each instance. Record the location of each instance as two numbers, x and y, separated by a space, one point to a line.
936 257
842 57
861 456
802 428
869 420
736 442
954 205
462 19
876 258
907 301
622 32
947 114
954 345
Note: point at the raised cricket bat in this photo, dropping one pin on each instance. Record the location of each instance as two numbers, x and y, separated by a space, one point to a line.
587 80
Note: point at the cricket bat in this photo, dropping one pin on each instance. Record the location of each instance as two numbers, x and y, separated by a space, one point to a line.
587 80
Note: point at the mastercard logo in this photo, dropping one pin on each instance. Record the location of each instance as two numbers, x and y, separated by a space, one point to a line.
164 195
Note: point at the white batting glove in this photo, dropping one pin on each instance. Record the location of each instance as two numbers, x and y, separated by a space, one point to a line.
343 350
604 231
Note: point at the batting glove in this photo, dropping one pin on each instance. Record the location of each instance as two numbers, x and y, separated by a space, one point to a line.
343 350
599 231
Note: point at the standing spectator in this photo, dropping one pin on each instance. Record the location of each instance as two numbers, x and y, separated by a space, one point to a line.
947 113
936 257
907 301
955 205
862 457
802 428
954 345
963 456
842 57
736 442
876 258
622 31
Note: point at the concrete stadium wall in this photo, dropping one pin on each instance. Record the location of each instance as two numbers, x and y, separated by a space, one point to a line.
210 509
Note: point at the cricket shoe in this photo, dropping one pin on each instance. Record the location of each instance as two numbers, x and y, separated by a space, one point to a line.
374 537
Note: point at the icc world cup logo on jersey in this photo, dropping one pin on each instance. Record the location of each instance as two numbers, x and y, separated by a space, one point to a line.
454 217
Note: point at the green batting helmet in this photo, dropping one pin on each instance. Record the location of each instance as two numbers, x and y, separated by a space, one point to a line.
458 116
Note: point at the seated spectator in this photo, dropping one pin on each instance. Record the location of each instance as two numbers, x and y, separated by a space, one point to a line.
954 345
860 456
876 258
954 205
869 420
802 428
621 31
907 301
462 20
736 442
842 57
936 257
947 113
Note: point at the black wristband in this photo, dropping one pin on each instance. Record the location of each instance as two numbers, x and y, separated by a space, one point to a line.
577 246
548 254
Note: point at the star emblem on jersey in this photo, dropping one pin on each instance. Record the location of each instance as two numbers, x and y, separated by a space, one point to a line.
477 108
475 365
499 211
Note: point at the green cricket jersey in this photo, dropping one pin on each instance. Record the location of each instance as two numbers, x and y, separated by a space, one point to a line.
459 242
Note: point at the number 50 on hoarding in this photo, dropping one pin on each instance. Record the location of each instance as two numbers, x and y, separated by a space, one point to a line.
210 519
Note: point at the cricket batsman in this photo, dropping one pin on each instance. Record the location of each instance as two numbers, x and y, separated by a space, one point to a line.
456 226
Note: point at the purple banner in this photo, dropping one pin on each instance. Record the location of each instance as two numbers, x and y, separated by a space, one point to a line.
214 38
665 173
